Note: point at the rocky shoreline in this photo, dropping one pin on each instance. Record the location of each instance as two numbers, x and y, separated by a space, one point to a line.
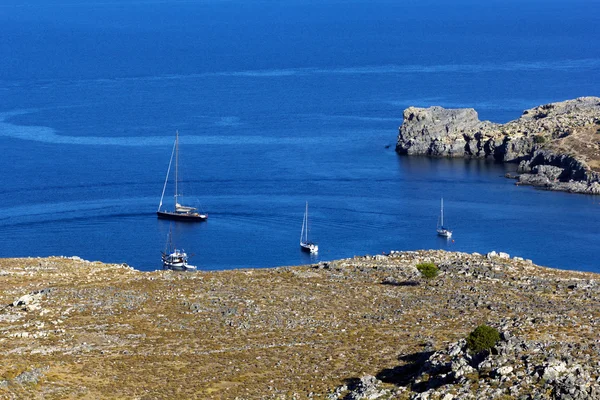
556 146
368 327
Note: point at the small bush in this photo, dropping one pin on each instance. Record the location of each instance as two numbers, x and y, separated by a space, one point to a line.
539 139
482 338
428 270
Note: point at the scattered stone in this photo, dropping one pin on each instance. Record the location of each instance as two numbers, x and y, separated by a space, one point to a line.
299 332
454 370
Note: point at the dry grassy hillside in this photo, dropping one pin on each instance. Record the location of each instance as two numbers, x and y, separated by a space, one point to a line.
76 329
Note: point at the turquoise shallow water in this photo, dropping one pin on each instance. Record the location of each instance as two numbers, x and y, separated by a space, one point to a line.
278 104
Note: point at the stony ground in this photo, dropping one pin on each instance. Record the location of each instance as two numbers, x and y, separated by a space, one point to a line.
582 141
76 329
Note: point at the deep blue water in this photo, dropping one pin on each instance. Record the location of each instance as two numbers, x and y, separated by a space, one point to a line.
278 103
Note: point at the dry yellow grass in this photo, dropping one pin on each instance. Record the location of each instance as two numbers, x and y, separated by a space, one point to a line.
105 331
583 143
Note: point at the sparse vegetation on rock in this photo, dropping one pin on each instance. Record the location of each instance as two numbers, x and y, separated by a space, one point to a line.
539 139
483 338
428 270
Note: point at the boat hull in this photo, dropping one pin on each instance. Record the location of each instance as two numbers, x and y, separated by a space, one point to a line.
444 233
309 247
175 216
177 267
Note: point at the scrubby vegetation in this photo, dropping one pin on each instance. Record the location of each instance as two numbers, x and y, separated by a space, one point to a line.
482 338
428 270
539 139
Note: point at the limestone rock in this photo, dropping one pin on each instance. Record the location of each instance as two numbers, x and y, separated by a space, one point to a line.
437 131
366 389
532 141
553 370
502 371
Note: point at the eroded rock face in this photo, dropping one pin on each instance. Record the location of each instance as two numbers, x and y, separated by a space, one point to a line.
559 172
441 132
548 135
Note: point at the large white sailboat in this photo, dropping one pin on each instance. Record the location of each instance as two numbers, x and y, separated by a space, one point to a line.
441 229
179 211
305 244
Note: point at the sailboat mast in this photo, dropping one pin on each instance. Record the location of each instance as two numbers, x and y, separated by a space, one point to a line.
302 231
442 216
169 244
176 164
306 217
167 177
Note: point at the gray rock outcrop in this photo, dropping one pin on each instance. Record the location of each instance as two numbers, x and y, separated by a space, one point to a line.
513 368
437 131
553 143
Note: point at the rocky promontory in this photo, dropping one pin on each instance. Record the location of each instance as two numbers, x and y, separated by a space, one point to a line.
557 145
369 327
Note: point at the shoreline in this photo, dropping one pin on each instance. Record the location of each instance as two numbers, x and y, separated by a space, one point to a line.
208 269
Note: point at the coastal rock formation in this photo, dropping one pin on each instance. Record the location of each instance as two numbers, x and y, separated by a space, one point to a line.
513 368
563 135
369 327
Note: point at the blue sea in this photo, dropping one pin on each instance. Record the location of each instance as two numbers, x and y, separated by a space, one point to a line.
279 103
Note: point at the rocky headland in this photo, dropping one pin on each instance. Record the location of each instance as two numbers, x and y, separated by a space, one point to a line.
556 146
368 327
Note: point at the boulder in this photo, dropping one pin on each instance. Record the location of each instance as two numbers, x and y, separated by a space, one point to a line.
366 389
492 254
553 370
503 371
24 300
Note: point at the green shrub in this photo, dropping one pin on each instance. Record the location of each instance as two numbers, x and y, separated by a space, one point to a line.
539 139
482 338
428 270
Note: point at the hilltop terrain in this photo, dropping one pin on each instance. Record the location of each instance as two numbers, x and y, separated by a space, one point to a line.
366 327
557 145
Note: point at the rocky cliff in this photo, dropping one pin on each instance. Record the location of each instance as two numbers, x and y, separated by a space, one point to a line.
557 145
367 327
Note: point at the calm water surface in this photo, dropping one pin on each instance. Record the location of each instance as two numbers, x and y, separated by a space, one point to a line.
278 103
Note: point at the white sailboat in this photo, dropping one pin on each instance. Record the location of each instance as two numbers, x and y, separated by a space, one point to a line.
441 229
305 244
175 259
179 212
